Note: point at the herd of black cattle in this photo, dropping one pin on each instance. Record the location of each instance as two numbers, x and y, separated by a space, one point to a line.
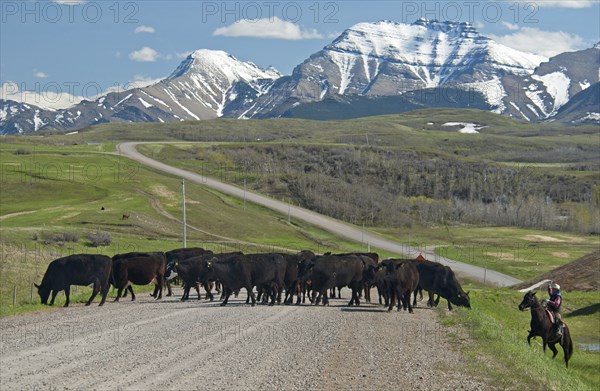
303 274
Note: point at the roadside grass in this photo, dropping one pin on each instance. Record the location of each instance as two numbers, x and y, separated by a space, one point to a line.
493 338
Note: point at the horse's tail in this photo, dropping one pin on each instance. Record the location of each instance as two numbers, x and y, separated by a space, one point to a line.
567 344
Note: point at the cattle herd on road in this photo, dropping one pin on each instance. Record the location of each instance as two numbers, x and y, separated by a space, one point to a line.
302 275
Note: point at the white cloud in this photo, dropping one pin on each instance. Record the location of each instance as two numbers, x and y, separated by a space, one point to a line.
479 25
145 54
509 26
49 98
545 43
69 2
39 74
140 81
274 28
144 29
560 3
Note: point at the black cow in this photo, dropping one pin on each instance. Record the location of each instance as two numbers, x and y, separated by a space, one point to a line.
139 269
180 254
330 271
375 276
268 271
438 279
369 258
401 279
292 282
237 271
80 269
190 270
304 274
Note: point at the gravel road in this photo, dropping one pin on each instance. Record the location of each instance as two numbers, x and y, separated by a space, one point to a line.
170 345
330 224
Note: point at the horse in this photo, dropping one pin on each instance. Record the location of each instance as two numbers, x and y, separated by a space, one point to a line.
542 326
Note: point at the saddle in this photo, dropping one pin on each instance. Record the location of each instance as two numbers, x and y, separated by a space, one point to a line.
550 315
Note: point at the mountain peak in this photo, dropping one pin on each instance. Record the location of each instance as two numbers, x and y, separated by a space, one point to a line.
219 61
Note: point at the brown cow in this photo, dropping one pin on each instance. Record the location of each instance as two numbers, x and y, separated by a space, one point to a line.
140 269
401 280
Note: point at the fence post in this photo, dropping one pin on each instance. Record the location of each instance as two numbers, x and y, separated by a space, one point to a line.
14 295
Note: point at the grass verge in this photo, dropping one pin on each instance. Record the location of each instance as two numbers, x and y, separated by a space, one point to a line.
493 339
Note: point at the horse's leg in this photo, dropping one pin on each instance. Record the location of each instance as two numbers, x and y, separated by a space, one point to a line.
529 338
544 343
553 348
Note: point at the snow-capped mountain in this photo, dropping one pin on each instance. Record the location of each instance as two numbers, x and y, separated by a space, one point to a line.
388 58
554 83
13 113
379 59
207 84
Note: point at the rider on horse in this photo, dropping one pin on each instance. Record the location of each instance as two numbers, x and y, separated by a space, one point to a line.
553 304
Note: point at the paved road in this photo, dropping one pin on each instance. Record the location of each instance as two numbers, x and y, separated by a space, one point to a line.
327 223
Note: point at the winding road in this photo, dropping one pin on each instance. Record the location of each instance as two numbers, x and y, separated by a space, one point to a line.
337 227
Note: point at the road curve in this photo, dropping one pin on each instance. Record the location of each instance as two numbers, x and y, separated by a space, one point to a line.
329 224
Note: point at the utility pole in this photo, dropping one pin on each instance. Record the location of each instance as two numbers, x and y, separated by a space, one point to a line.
183 208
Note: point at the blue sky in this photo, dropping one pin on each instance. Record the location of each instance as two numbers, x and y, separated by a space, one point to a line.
83 48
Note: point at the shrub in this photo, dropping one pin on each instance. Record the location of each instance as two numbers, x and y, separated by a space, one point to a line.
99 238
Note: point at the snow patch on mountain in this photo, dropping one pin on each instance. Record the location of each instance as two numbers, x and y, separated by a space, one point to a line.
144 103
123 100
584 85
557 85
493 91
467 127
37 121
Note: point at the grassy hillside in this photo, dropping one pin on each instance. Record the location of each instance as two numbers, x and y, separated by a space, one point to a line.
583 274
